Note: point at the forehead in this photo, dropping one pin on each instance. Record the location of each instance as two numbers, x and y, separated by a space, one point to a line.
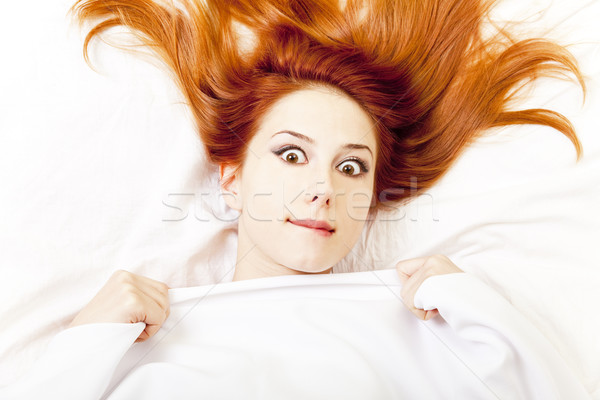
327 116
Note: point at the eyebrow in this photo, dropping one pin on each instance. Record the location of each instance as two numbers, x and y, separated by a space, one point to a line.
347 146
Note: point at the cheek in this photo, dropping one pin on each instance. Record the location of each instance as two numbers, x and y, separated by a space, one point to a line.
263 195
272 192
357 204
352 211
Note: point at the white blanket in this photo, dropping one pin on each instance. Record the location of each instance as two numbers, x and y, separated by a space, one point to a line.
325 336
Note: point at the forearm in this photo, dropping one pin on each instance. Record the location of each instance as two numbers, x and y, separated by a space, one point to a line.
496 342
77 364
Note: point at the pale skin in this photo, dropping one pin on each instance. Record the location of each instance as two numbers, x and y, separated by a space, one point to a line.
312 158
128 298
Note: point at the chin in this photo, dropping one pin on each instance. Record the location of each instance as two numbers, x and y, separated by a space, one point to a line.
313 269
307 263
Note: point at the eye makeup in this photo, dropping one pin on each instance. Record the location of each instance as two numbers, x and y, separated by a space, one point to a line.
361 163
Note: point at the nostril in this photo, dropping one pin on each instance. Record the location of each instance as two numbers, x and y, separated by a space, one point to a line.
314 198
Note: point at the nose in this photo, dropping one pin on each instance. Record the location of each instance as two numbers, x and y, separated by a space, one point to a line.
320 193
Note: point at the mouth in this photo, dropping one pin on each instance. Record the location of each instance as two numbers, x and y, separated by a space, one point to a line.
320 227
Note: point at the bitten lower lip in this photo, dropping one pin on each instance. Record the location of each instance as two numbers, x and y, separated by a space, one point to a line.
318 231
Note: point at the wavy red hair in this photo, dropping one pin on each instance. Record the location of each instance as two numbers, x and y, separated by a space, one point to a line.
421 69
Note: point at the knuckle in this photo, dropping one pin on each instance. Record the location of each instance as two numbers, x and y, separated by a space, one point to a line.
129 289
435 261
133 302
441 258
122 276
430 262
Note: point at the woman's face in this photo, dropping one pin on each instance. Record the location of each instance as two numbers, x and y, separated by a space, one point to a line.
312 161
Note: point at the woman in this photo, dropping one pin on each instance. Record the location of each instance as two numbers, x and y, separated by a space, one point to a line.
306 183
328 114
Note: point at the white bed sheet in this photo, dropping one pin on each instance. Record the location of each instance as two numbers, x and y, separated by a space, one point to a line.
102 171
320 337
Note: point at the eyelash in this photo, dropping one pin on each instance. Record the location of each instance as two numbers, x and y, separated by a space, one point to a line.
361 163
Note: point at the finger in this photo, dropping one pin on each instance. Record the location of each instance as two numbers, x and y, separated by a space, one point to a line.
152 315
143 336
407 268
429 314
410 286
148 332
160 286
149 286
409 290
156 290
127 277
160 298
153 299
419 313
146 304
147 310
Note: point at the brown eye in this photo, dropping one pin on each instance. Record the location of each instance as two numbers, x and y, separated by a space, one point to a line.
350 167
293 156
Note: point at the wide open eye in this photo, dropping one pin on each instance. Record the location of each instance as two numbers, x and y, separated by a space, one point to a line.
292 155
352 167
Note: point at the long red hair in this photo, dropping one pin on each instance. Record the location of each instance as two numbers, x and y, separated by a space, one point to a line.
422 70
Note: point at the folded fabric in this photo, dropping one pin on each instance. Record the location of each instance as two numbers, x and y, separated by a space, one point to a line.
311 336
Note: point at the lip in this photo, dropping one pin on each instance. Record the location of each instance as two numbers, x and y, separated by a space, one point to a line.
319 226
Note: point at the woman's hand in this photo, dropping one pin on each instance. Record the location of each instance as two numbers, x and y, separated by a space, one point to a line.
128 298
413 273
